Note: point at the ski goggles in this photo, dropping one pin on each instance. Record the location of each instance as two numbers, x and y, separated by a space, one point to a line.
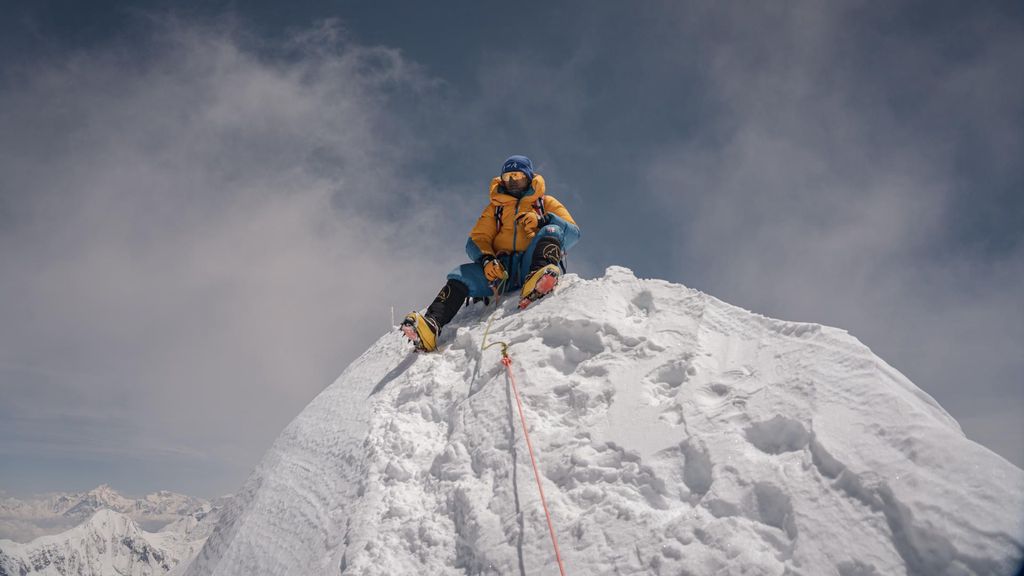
514 177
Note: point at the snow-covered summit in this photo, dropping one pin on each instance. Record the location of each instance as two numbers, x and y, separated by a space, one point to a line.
103 497
676 435
108 543
162 502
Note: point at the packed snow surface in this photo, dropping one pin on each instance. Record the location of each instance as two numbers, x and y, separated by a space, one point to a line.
676 434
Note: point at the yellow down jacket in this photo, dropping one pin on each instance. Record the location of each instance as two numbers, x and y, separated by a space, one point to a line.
494 237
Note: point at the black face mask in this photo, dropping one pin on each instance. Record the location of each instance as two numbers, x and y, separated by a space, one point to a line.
516 189
513 193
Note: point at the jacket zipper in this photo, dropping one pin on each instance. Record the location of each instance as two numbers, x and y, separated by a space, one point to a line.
515 231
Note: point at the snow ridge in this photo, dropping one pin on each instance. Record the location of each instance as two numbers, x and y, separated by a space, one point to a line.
676 434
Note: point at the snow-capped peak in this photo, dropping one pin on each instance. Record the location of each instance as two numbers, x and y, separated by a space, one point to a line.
100 498
108 543
25 521
107 522
676 434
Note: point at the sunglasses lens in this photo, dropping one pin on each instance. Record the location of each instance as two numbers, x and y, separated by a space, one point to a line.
513 177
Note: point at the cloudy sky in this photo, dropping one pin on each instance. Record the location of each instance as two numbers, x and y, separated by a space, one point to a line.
208 209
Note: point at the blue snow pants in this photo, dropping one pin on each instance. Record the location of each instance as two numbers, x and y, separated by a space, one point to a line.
516 264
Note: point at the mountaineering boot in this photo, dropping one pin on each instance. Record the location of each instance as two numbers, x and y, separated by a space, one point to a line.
421 331
544 271
424 330
539 284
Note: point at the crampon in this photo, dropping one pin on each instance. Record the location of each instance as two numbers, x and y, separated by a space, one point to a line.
543 287
410 332
418 330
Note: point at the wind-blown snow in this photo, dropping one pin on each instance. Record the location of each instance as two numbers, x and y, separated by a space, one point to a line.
676 434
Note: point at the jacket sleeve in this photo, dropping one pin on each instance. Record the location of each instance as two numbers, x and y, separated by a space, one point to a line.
481 237
559 216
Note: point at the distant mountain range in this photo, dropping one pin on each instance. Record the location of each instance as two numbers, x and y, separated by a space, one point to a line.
25 520
101 532
107 543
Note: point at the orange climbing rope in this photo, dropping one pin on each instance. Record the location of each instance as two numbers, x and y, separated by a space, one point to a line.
507 361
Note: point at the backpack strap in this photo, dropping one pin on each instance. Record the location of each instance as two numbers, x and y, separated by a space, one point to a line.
497 215
538 206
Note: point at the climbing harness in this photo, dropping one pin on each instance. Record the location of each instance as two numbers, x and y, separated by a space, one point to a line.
506 360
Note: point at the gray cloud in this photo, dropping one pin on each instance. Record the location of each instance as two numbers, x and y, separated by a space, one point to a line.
832 189
835 163
191 220
196 241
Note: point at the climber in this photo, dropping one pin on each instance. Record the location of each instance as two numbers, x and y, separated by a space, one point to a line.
517 244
